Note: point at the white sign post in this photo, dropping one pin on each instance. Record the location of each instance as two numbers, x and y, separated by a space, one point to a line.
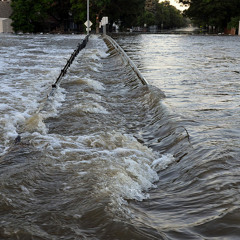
104 23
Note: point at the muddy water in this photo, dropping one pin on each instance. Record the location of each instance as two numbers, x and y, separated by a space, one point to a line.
108 158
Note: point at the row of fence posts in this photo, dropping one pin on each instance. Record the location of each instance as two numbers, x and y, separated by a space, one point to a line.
69 62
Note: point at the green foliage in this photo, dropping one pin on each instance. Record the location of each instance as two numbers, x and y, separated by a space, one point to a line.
79 9
212 12
60 10
234 23
163 15
146 18
28 16
126 11
40 15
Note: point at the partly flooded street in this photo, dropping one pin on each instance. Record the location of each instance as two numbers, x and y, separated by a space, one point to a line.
108 158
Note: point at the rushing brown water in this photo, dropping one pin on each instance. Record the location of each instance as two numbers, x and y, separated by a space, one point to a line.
108 158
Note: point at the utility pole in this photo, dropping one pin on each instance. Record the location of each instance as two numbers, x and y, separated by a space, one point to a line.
88 23
239 28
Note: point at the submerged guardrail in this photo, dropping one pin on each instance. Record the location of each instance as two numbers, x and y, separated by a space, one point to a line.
108 40
80 46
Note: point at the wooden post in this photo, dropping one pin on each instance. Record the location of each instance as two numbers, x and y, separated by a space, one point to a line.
97 23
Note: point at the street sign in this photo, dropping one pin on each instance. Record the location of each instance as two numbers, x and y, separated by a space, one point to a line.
88 30
104 21
86 23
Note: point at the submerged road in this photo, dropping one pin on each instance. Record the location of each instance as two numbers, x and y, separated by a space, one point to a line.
86 152
104 157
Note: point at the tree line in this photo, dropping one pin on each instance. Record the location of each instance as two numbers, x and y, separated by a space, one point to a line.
62 15
218 13
163 15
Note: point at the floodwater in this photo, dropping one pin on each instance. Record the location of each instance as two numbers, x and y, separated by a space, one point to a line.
105 157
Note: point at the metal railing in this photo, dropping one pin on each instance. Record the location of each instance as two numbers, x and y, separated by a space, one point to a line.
69 62
109 40
80 46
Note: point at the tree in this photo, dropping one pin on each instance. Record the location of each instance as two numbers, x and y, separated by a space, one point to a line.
28 15
212 12
40 15
163 15
147 18
126 11
37 15
98 9
234 23
60 12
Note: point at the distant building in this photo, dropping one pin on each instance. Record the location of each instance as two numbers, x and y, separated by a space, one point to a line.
5 13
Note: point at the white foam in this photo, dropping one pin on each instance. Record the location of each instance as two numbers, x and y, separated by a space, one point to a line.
27 70
96 85
125 168
35 123
91 107
24 190
115 164
128 171
4 107
94 96
101 48
95 69
163 162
